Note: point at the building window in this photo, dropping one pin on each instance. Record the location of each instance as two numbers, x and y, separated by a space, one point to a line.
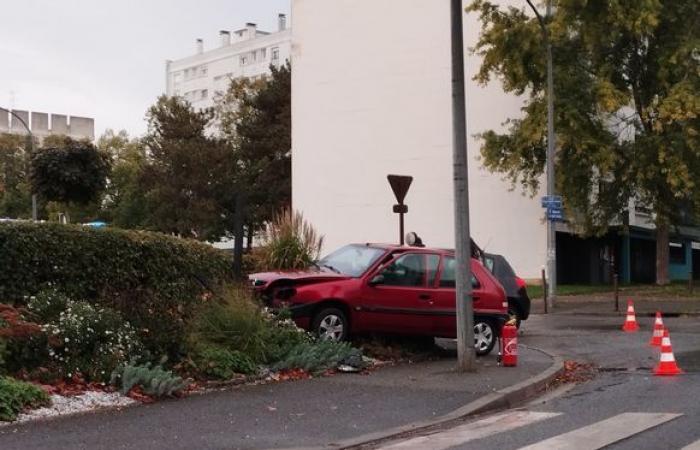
253 56
205 94
244 60
203 71
676 254
263 53
275 53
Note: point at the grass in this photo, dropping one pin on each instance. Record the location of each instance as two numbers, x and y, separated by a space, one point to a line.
675 289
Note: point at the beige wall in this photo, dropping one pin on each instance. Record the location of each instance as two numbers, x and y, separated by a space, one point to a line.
371 96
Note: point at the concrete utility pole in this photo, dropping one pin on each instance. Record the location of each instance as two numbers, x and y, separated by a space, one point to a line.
465 309
551 142
30 142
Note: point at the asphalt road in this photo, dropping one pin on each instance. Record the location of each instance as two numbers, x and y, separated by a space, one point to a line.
624 407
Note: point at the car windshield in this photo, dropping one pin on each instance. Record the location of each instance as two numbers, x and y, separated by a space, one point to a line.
351 260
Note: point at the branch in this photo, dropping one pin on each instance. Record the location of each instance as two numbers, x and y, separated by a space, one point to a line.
540 19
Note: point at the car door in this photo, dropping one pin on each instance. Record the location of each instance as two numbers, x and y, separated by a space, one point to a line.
397 297
444 303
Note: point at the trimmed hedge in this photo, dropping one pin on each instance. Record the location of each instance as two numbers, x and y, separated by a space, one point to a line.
153 279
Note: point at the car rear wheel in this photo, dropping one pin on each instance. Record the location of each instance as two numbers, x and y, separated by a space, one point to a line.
331 324
484 337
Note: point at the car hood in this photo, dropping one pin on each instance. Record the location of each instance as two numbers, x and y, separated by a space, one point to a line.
265 279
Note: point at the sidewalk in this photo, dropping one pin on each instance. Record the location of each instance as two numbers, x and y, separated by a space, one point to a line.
604 305
302 414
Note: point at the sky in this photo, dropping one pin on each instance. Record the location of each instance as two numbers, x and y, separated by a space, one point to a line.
106 58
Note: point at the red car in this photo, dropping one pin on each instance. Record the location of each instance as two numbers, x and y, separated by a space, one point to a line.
363 288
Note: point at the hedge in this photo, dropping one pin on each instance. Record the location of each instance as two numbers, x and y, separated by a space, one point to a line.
153 279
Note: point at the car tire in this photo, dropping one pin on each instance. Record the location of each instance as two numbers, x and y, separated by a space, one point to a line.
331 324
484 336
514 312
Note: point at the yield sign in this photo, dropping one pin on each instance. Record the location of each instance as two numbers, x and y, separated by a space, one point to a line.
400 184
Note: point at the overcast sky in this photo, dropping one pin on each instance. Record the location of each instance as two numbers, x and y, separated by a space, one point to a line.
106 58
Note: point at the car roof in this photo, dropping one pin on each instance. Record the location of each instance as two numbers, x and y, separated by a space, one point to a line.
397 247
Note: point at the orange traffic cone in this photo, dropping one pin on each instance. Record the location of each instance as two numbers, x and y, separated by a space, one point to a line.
658 331
667 362
630 322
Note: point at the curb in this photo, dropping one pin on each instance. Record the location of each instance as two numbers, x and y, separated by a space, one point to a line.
504 398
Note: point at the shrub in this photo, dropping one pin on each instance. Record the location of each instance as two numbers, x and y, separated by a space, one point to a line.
223 364
90 340
22 343
47 305
234 322
317 357
290 242
16 396
155 381
154 280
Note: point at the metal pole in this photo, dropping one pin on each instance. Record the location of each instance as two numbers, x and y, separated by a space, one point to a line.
544 291
466 354
401 229
551 143
617 292
551 230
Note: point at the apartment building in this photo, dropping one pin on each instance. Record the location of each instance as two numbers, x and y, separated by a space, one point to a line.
246 52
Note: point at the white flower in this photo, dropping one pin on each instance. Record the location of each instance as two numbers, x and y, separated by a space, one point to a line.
67 340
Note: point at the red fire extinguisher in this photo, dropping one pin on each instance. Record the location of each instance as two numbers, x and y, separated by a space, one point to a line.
509 341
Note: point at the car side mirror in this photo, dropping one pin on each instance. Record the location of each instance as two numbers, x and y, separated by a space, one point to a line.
378 279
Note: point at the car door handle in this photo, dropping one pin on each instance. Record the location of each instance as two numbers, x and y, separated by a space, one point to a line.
425 296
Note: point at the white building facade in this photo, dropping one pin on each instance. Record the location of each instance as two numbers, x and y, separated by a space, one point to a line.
247 52
371 96
44 124
389 112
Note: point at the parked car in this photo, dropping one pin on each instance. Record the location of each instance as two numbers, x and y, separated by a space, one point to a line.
364 288
515 287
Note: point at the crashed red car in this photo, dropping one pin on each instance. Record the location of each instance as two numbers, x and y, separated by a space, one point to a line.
364 288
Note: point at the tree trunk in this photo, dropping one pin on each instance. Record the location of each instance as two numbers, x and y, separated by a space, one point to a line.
662 253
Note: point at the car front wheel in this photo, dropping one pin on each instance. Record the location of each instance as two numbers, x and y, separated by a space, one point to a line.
331 324
484 337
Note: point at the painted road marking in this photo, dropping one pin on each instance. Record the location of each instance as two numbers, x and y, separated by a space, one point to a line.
475 430
694 446
604 433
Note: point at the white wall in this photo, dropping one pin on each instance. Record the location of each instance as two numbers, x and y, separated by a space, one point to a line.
371 96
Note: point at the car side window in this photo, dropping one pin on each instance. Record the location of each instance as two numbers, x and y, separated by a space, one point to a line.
448 278
406 270
433 262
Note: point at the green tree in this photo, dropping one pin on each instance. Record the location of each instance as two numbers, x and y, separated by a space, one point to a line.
627 102
189 174
73 173
124 203
255 118
15 195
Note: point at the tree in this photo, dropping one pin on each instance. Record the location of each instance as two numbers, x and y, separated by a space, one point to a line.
255 118
124 204
188 175
627 102
15 195
75 172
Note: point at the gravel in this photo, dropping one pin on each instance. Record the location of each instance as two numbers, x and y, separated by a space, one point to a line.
61 406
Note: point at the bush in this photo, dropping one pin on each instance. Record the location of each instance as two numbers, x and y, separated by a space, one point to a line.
223 364
155 381
317 357
290 242
22 343
89 340
16 396
236 323
154 280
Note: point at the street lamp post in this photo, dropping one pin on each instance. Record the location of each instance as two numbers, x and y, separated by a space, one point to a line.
30 142
551 141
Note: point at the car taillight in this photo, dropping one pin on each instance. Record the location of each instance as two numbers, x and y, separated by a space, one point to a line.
520 282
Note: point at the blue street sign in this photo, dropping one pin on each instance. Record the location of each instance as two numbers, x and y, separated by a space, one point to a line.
551 201
555 214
